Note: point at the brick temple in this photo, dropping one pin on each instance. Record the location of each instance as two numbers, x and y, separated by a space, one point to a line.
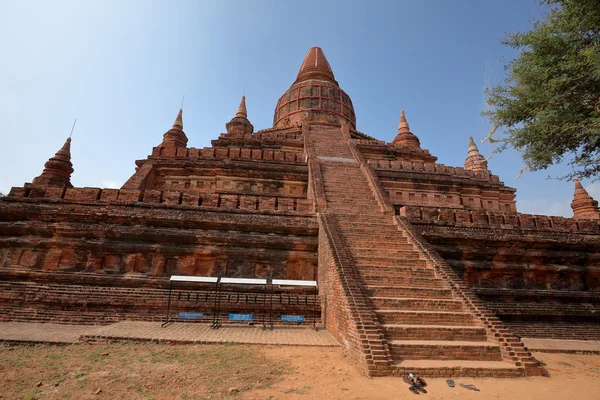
421 266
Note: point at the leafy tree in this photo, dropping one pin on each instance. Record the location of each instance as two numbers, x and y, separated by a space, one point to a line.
549 105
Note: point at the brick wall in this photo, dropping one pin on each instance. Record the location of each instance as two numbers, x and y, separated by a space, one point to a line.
220 201
506 221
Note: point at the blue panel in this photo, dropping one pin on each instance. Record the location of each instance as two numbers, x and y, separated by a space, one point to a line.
292 318
240 317
191 315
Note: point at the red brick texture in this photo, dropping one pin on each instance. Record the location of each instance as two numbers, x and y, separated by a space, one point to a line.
418 263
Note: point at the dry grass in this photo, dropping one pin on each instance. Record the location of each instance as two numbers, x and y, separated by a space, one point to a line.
134 371
150 371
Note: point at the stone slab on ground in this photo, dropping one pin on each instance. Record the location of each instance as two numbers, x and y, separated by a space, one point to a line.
21 332
203 334
17 332
562 346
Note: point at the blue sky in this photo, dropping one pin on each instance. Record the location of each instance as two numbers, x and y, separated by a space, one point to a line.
121 68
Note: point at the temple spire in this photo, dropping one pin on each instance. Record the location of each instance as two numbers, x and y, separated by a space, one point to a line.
174 138
240 126
475 161
584 206
315 66
179 120
241 111
58 169
405 138
403 125
472 145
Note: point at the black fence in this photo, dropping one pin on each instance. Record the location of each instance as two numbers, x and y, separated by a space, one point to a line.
242 300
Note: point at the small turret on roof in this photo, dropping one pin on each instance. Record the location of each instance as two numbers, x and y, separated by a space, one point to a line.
174 138
405 138
57 170
475 161
584 206
241 111
240 126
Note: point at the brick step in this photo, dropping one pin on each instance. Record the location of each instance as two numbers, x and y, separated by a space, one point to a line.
374 219
349 200
425 317
384 230
458 368
409 291
344 206
398 271
393 265
356 212
416 304
342 178
552 329
352 194
355 241
405 281
348 192
375 216
378 230
373 237
389 261
398 251
352 218
434 332
444 350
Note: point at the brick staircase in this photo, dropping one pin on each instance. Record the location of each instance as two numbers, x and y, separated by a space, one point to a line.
427 330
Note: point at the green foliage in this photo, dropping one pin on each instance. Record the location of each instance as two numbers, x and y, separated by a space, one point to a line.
549 107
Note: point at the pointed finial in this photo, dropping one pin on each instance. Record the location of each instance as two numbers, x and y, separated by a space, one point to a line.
475 161
405 138
72 128
179 120
241 111
58 169
315 66
403 122
65 151
584 206
472 145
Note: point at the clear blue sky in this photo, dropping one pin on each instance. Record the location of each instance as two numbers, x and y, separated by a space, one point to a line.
121 68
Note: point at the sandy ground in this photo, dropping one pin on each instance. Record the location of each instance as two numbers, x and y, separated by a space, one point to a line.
153 371
327 374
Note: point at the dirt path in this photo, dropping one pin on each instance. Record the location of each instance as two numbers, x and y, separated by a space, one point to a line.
327 374
153 371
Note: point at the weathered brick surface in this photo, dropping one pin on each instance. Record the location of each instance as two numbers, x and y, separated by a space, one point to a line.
313 198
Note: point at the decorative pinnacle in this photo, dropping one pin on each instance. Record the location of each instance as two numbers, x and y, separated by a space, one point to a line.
584 206
179 120
65 150
472 145
241 111
403 125
315 66
58 169
475 161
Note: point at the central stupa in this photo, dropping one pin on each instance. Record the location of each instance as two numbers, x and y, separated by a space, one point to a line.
314 96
